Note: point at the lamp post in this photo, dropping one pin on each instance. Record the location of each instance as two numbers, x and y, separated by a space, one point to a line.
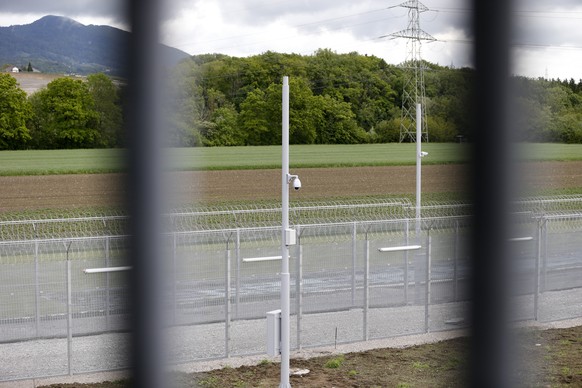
288 237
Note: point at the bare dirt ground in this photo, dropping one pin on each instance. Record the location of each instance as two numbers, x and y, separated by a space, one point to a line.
549 358
102 190
31 82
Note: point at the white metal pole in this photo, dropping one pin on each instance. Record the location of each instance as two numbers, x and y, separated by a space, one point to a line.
285 292
69 314
299 286
366 286
418 163
227 304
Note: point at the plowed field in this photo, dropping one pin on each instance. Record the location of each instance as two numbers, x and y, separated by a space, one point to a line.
97 190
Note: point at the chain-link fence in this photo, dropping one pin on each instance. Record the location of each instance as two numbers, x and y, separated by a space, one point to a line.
347 282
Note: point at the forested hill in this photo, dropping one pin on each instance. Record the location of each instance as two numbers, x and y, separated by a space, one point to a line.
56 44
345 98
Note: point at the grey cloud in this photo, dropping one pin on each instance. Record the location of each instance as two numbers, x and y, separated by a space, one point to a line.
106 8
112 9
365 19
544 23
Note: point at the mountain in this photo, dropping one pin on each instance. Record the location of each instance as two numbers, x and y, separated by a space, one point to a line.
56 44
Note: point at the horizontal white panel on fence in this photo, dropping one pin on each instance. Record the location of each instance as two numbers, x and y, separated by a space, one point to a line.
108 269
265 258
399 249
518 239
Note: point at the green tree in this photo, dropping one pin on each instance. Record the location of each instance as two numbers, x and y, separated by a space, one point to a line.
387 131
29 68
303 111
185 106
15 112
65 116
571 128
260 115
337 123
362 81
225 130
253 119
346 98
108 106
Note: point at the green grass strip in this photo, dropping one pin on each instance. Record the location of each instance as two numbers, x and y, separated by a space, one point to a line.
57 162
92 161
310 156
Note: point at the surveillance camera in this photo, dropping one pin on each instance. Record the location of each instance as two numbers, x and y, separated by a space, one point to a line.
296 184
423 154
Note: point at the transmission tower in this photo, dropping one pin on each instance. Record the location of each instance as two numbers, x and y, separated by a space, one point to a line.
413 92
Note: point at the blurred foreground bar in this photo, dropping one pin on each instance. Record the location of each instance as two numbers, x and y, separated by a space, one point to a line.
145 193
492 190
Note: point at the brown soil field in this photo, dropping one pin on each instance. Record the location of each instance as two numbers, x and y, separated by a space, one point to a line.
185 188
549 358
31 82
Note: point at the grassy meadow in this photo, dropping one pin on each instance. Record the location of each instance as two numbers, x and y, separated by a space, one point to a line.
91 161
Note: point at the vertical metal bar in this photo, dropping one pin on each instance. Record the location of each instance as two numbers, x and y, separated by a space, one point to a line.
284 226
299 286
428 282
406 259
545 257
418 163
174 278
493 361
354 262
145 191
366 287
36 290
238 261
107 285
456 263
537 270
69 317
227 304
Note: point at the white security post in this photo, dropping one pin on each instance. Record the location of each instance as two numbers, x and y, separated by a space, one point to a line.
287 238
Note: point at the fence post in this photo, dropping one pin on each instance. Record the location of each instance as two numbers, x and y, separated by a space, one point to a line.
366 286
541 224
69 315
406 258
36 290
299 286
238 260
107 284
545 257
456 263
427 281
227 303
174 278
354 258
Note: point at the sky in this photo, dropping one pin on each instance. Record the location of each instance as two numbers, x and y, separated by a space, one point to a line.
547 39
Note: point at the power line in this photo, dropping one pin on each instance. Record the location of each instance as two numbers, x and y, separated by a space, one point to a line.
517 44
321 22
413 93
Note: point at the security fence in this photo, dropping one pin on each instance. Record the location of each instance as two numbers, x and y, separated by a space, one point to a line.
221 282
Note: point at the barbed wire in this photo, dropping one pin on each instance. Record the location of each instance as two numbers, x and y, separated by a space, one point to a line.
264 215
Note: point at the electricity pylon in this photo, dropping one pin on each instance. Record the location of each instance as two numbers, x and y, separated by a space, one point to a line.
413 92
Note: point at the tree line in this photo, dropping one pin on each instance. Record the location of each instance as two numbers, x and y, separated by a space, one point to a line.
67 113
219 100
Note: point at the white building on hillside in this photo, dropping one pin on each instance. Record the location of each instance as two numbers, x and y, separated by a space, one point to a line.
15 69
